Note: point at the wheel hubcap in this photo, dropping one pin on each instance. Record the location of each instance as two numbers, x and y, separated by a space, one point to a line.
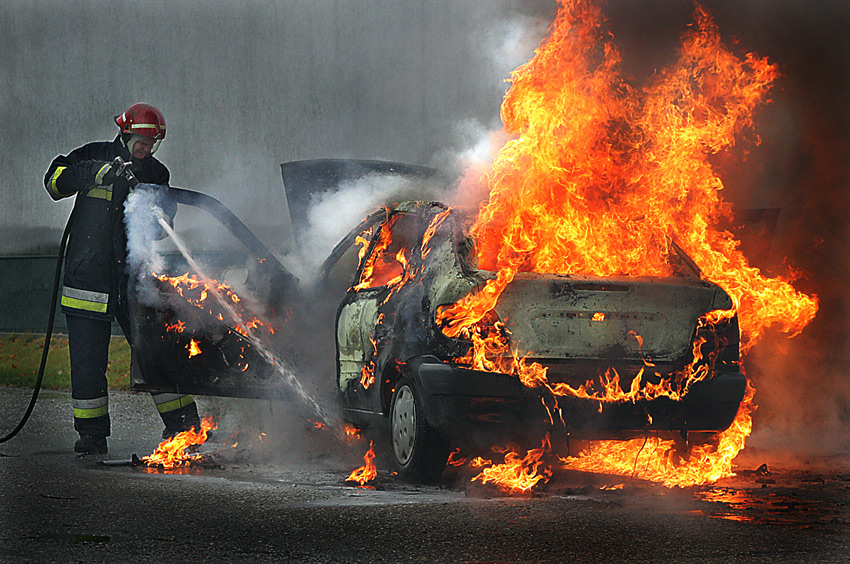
404 425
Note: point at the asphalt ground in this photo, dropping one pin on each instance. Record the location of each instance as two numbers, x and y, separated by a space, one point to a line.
282 497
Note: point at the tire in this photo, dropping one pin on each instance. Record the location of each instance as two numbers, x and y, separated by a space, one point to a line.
417 451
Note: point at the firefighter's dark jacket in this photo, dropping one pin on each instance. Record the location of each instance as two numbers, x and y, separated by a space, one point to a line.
95 261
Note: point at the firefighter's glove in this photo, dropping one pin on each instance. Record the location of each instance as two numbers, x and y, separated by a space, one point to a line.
107 173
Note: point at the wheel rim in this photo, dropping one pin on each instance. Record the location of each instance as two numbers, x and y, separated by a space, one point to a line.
404 425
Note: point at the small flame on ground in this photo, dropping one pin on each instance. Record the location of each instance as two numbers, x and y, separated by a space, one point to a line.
479 462
455 459
518 475
351 432
171 453
368 471
658 460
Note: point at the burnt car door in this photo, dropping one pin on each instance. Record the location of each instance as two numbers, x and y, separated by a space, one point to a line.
385 262
192 335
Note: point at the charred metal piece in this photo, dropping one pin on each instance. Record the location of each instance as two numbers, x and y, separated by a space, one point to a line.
133 461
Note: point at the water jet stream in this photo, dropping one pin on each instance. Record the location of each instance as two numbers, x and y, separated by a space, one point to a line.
286 374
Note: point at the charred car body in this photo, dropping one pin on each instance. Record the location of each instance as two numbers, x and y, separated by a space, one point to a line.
397 370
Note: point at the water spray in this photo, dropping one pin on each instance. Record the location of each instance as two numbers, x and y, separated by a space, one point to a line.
285 373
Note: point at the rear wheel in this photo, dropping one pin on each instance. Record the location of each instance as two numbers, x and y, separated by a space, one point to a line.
418 452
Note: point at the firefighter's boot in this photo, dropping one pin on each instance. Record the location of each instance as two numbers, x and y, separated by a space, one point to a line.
178 412
88 444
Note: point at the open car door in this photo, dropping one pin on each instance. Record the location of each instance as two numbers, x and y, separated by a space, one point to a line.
199 336
191 338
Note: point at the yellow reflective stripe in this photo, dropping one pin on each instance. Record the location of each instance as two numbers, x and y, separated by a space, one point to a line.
86 305
98 178
101 193
82 413
54 190
147 126
174 404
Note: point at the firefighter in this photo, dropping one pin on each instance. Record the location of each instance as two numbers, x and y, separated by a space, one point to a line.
96 277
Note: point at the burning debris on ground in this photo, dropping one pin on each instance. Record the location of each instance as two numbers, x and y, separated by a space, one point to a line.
368 471
180 451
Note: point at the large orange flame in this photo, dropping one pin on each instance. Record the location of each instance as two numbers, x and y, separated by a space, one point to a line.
603 178
599 176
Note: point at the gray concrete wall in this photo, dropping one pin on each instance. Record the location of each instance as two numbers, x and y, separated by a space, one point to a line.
245 86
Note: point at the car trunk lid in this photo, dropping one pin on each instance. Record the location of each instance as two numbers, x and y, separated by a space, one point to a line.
559 317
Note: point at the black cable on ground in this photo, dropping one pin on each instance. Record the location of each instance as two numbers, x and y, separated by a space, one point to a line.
49 334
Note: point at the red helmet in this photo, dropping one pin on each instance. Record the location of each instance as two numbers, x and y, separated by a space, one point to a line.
138 121
142 119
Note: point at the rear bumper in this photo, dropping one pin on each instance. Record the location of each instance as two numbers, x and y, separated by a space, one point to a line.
472 405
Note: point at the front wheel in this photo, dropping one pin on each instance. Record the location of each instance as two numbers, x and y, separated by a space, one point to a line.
418 452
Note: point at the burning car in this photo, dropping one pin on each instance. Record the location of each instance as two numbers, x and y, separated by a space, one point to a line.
395 361
566 306
622 356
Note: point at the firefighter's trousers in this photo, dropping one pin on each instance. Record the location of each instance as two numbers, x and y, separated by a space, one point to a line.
88 343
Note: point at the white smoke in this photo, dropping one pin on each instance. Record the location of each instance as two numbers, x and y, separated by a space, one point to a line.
507 44
142 209
332 215
511 42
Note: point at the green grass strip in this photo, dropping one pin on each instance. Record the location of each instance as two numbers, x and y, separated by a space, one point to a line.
20 355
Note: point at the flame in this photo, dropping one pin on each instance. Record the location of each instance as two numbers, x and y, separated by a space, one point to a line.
178 327
368 471
383 267
390 263
604 178
197 293
246 441
452 461
518 475
431 230
367 373
600 176
171 453
194 348
479 462
351 432
657 460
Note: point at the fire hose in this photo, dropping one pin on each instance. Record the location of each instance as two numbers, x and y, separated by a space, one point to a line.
49 334
179 196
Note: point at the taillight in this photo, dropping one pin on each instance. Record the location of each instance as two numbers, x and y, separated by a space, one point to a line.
731 340
721 343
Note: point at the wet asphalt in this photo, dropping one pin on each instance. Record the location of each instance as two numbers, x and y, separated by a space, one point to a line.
282 497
